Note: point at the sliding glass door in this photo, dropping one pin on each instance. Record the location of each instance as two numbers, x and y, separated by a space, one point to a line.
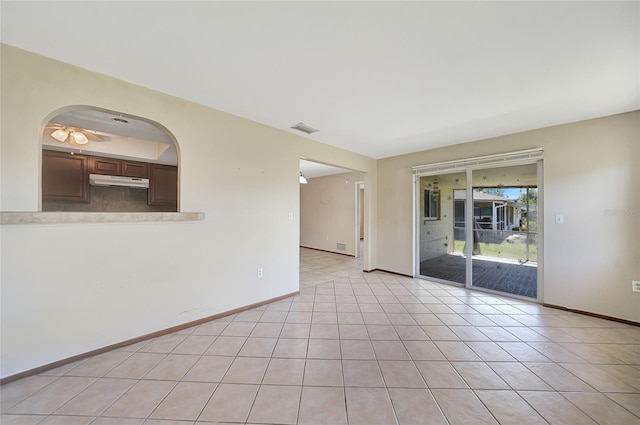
441 227
505 254
479 225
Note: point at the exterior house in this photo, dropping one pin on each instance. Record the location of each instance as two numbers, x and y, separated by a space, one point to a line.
491 211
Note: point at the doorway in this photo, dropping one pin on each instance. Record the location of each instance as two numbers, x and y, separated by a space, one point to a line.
332 209
478 225
505 217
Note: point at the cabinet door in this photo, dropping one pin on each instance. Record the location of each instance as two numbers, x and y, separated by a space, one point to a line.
135 169
108 166
65 177
163 185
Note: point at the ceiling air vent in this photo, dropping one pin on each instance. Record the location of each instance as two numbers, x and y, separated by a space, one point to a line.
304 128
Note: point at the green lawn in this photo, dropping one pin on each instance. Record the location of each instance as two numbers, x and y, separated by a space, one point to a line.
506 249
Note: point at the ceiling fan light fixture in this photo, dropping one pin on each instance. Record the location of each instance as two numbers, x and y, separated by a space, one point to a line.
60 134
79 138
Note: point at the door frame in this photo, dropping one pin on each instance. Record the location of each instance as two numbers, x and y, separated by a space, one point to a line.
526 157
359 185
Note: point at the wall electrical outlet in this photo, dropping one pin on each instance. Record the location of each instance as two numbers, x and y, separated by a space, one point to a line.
260 272
635 285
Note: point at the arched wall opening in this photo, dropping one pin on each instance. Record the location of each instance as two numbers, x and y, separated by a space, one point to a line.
98 160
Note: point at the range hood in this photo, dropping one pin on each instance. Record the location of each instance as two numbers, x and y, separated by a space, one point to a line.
102 180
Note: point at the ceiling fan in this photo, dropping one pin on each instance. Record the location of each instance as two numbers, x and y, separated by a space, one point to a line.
74 135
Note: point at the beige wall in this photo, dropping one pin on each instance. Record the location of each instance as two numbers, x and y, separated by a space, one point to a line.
71 288
328 212
590 169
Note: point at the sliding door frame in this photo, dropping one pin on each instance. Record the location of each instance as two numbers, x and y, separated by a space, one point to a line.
526 157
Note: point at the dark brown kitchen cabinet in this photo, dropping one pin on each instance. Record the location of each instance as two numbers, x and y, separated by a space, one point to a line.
119 167
135 169
65 177
163 185
108 166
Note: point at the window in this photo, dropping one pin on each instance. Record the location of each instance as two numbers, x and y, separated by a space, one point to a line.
135 150
431 204
459 213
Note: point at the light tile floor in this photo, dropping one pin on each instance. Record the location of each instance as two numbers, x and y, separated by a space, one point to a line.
355 348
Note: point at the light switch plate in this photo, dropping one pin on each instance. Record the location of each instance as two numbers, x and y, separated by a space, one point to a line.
559 219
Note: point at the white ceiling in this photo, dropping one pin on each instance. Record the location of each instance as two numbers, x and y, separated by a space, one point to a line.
377 78
107 122
312 169
121 136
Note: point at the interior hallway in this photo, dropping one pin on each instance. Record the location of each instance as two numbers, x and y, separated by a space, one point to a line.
355 348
